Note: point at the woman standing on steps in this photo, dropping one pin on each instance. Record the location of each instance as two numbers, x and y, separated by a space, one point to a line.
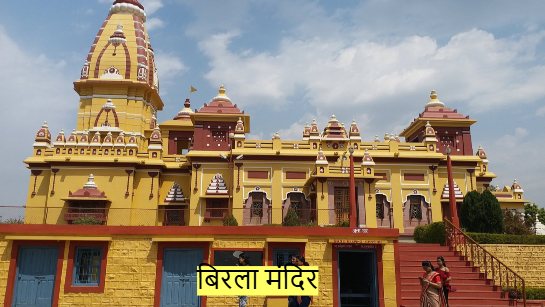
431 295
444 272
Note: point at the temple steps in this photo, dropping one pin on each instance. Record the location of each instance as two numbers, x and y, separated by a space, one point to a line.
472 288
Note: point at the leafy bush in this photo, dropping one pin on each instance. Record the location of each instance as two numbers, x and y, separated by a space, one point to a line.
291 218
492 238
481 212
87 220
343 223
432 233
535 293
230 220
18 220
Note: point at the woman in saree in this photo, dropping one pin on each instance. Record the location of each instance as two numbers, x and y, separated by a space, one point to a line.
432 294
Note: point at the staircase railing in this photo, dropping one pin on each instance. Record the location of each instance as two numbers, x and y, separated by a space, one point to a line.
493 268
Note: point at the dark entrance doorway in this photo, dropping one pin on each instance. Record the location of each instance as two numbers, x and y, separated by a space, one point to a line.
357 278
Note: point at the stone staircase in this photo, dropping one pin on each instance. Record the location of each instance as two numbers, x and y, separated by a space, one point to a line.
472 288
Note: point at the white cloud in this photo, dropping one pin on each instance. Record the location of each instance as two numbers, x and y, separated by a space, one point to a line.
541 111
169 65
513 140
518 155
473 67
151 6
154 23
33 88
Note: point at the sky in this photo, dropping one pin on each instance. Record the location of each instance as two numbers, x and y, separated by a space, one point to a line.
287 62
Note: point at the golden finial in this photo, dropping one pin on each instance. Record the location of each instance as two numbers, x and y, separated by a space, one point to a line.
221 91
434 100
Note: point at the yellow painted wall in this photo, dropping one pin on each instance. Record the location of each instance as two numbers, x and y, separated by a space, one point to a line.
5 257
130 276
131 267
527 260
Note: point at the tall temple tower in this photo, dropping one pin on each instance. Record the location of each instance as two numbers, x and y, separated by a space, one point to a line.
452 128
119 87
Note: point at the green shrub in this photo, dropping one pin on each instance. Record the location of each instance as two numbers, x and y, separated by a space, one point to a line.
87 220
432 233
291 218
343 223
230 220
492 238
535 293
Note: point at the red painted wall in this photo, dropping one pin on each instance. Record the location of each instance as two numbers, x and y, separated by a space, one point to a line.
213 135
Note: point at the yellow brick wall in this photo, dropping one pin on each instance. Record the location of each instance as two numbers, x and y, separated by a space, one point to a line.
130 277
389 275
5 256
527 260
131 266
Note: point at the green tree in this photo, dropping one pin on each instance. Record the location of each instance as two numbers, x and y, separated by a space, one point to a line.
541 215
493 213
515 224
230 220
481 212
469 210
530 216
291 218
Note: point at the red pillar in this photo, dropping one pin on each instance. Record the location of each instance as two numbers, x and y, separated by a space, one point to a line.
451 197
352 191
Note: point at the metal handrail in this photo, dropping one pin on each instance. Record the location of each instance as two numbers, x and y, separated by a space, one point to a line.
494 269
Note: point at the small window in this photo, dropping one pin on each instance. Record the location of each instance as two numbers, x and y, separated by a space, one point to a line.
87 266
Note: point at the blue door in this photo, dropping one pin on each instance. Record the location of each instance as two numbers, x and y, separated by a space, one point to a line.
179 282
35 278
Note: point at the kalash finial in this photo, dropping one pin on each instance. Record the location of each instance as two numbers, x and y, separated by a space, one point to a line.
221 91
434 100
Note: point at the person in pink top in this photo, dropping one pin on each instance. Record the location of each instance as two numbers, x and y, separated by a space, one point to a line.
444 272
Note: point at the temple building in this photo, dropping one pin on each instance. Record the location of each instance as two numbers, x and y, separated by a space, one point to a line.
122 209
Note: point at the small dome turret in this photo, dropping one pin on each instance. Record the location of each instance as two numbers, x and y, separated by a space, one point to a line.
155 137
314 131
367 159
185 112
516 187
354 132
120 140
43 134
306 132
72 138
481 153
108 139
239 128
320 158
60 140
429 130
95 141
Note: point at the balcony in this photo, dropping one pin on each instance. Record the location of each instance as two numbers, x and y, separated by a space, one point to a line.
180 215
94 216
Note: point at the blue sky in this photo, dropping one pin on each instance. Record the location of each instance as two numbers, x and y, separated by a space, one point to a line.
286 62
